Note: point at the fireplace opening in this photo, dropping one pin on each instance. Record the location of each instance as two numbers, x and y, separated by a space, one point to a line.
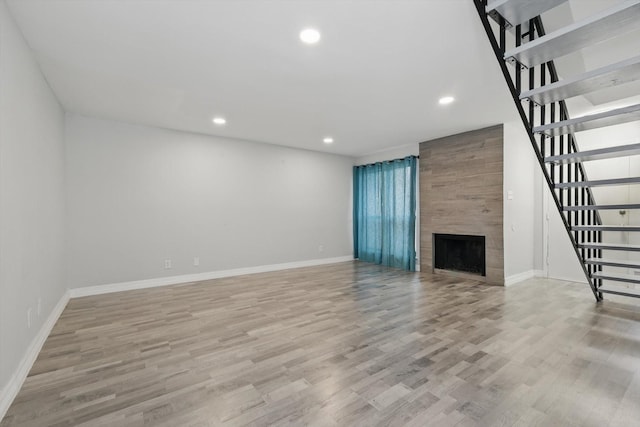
457 252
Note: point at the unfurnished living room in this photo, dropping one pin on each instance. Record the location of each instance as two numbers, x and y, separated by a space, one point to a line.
319 213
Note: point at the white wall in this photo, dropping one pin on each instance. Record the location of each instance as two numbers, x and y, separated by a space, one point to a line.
522 205
138 195
390 154
31 199
562 262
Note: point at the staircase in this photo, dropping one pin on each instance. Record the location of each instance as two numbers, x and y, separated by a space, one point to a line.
526 54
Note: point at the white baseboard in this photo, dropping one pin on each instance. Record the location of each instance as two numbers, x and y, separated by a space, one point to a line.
188 278
520 277
570 279
12 388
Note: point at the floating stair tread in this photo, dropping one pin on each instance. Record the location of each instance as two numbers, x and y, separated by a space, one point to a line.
619 290
605 228
516 12
611 75
592 121
619 19
600 182
601 207
598 154
629 278
611 246
617 277
613 262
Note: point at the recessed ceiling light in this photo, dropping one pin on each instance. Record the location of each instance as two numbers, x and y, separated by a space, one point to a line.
328 140
446 100
219 121
310 35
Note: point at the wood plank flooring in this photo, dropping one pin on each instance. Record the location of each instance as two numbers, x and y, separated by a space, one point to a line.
339 345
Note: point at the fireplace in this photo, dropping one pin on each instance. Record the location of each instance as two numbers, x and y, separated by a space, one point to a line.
462 192
458 252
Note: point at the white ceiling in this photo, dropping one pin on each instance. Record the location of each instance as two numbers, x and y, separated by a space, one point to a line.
373 81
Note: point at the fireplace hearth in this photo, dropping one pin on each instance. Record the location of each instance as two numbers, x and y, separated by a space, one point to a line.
460 253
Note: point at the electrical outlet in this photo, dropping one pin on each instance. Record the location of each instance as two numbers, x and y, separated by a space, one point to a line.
321 248
39 308
167 264
196 261
29 317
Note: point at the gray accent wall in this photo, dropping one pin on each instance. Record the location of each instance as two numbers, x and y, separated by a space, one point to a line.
461 188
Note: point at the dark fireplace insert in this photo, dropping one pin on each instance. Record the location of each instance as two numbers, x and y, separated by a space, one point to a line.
457 252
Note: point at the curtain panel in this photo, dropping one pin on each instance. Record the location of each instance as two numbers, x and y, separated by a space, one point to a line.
384 213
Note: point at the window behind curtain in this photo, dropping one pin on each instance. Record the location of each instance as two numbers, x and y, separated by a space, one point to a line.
384 213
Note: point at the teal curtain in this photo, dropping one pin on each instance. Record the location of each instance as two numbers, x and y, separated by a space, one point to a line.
384 213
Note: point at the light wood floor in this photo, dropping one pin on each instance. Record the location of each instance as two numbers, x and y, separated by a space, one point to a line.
339 345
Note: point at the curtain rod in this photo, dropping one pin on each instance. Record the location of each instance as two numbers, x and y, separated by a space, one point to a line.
388 161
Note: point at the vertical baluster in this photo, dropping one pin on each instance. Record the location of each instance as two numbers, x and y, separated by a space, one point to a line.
561 166
569 179
552 140
503 35
576 196
517 64
599 251
552 143
596 237
532 79
570 167
543 78
590 232
583 217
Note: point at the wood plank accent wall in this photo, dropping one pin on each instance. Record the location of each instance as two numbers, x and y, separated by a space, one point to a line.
461 192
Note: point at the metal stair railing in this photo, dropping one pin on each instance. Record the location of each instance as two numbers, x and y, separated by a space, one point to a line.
584 241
